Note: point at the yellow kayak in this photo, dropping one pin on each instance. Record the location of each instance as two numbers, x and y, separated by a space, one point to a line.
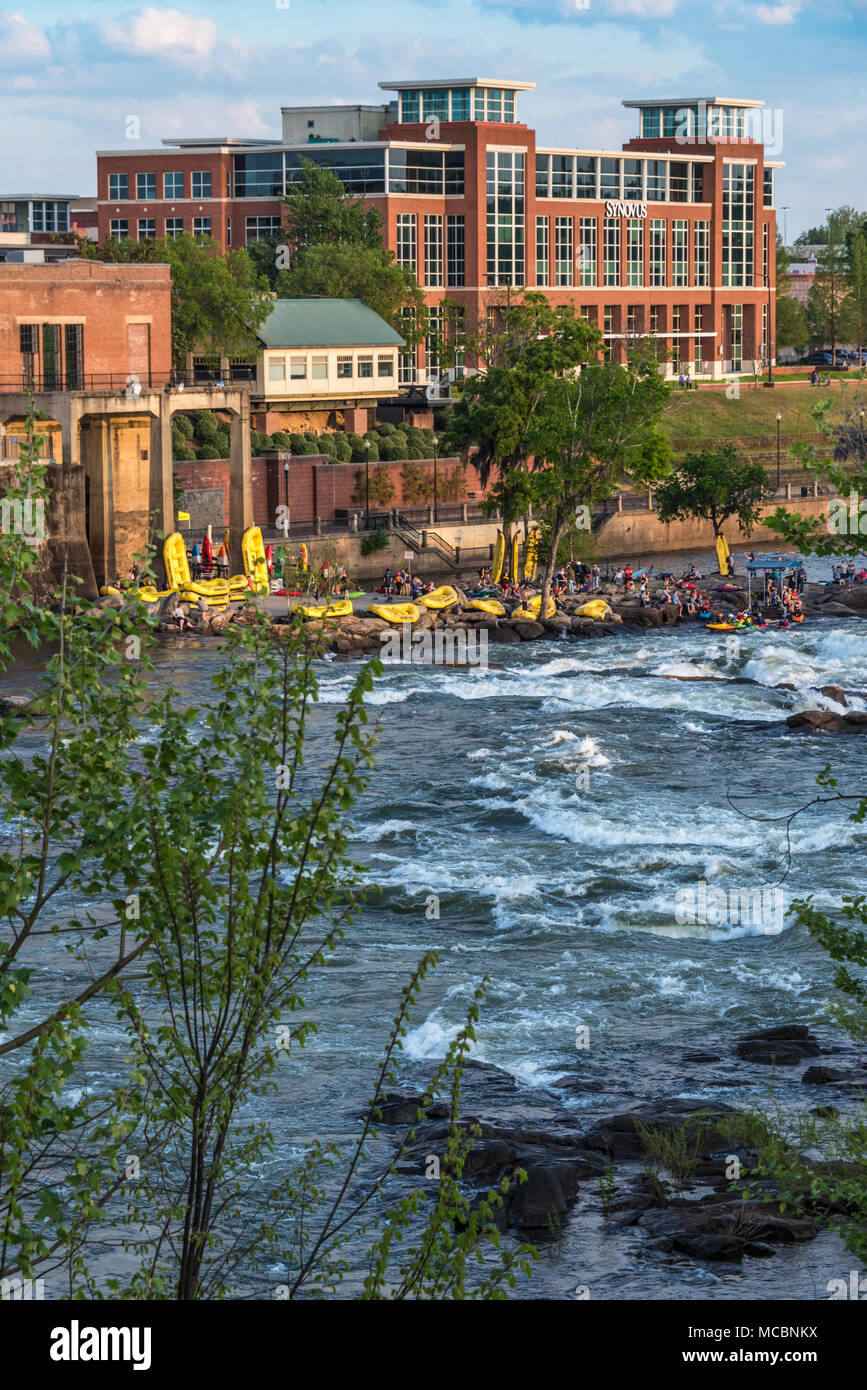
531 556
255 564
341 608
499 557
106 589
440 598
594 608
515 557
531 610
487 605
176 562
395 612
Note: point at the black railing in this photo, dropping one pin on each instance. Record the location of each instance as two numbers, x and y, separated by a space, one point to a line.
117 384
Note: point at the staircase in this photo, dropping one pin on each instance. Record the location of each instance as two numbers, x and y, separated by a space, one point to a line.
426 540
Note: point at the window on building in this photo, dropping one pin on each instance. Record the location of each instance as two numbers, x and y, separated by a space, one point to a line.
505 217
611 251
385 366
119 228
173 185
406 239
765 346
433 249
698 325
456 273
766 256
433 342
633 319
118 188
635 251
701 248
737 224
145 187
344 366
650 124
365 366
657 180
588 312
678 182
410 171
562 176
276 368
609 178
74 353
543 274
147 228
680 251
201 226
174 227
543 176
585 176
50 216
632 179
460 104
297 368
587 251
435 104
657 251
406 360
261 175
736 331
228 231
607 330
319 369
51 356
260 229
201 183
655 325
768 188
675 340
410 106
563 251
697 193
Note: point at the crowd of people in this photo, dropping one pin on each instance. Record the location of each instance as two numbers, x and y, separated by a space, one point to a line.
403 584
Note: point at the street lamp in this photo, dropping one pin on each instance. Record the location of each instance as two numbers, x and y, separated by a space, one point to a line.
286 482
779 419
436 446
366 484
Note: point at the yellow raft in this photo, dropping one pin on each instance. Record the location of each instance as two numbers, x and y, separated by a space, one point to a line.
106 589
255 564
531 556
215 592
440 598
515 557
722 554
487 605
396 612
499 557
341 608
149 594
532 609
594 608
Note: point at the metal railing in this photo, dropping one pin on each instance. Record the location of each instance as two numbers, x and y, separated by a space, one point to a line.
129 384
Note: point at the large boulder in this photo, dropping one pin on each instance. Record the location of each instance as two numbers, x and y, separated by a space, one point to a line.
503 634
528 631
826 722
784 1046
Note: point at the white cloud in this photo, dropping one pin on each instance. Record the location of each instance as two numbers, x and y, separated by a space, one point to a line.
784 13
164 33
19 39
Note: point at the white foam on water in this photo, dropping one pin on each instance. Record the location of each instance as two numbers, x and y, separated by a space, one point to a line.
430 1039
481 753
387 830
559 736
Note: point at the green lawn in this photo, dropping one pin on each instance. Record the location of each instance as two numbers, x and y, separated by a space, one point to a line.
694 418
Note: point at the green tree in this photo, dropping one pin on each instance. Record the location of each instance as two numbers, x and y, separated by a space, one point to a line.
713 485
320 212
791 324
370 273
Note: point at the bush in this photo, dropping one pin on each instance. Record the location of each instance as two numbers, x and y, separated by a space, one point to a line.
385 430
356 444
372 541
296 442
184 425
259 443
223 443
394 447
342 448
327 445
205 425
281 439
417 483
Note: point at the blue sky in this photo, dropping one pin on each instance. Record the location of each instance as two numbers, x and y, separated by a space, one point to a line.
73 71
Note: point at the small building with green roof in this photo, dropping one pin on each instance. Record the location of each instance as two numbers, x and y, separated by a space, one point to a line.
324 350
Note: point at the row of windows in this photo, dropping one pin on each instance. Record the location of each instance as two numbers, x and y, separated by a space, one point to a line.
315 368
635 238
146 228
367 169
694 122
505 217
495 104
600 177
435 266
201 186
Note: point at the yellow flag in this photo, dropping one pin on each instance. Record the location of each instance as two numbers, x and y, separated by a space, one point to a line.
183 516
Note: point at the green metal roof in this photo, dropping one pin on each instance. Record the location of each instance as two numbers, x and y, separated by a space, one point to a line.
326 323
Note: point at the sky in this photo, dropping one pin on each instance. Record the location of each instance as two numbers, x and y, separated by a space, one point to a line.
72 73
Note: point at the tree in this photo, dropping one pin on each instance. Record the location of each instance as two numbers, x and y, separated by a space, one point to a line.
791 322
588 433
845 219
218 302
360 272
320 212
713 485
857 287
829 308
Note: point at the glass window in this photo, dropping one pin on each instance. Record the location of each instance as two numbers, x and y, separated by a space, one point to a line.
657 174
543 273
587 251
650 122
433 249
201 226
261 229
276 368
657 251
609 178
509 107
201 183
679 252
147 228
410 107
632 180
145 187
435 104
543 176
173 185
460 106
455 250
174 227
344 367
563 238
385 366
611 251
562 176
261 175
505 217
118 187
737 224
495 104
478 104
423 171
697 192
678 182
119 228
365 367
586 176
701 251
319 369
768 188
297 368
635 251
669 122
50 216
406 239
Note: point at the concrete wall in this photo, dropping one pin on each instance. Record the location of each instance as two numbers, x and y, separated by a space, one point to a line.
630 534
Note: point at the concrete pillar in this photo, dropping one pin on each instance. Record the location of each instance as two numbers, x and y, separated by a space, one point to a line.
464 517
424 540
815 489
317 525
788 492
430 516
96 451
66 535
353 522
161 506
240 484
620 501
650 499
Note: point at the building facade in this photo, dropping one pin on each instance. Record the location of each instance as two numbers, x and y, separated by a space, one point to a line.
670 238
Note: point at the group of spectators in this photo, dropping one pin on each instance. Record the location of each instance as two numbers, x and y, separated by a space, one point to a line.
846 575
403 584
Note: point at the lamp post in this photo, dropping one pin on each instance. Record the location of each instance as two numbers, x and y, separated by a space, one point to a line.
286 482
366 484
436 446
779 420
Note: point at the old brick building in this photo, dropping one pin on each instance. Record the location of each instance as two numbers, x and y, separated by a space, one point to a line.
670 238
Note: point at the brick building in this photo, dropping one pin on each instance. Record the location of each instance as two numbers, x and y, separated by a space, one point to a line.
670 238
82 325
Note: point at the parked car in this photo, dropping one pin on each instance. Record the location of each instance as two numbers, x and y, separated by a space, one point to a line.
820 359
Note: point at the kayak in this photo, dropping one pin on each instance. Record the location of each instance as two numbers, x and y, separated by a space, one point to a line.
440 598
532 609
723 627
395 612
596 608
722 554
531 556
487 605
255 563
499 557
341 608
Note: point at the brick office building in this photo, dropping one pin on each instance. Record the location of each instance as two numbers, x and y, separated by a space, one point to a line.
671 238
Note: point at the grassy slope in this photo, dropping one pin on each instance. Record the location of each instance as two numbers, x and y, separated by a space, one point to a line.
699 417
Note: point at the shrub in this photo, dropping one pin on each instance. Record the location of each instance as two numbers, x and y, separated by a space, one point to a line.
184 425
205 425
394 447
372 541
281 439
342 448
417 483
296 442
385 430
356 444
259 442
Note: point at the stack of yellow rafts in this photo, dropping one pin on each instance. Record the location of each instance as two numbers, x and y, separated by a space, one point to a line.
531 556
255 564
215 592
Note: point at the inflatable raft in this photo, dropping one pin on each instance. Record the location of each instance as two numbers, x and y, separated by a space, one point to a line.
531 610
444 597
396 612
